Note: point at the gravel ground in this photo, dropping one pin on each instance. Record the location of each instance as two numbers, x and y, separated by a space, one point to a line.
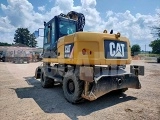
22 97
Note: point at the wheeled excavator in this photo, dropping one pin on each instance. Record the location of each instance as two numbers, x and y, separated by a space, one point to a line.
82 61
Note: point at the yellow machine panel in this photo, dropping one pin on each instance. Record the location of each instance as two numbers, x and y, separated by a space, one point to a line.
88 48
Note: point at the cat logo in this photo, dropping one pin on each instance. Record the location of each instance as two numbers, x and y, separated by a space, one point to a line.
116 50
67 48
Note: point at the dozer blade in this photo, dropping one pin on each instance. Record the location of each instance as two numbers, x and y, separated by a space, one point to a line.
105 84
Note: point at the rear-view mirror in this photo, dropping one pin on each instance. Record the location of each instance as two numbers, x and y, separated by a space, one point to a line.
39 33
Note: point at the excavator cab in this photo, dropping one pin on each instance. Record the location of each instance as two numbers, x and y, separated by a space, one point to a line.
56 28
61 25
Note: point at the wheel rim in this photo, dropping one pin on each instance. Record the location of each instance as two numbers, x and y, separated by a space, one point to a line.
70 87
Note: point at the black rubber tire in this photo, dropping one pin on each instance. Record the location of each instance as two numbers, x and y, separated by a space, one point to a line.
46 82
74 97
38 73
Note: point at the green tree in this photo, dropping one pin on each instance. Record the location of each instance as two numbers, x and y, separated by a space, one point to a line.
23 36
32 41
5 44
135 49
155 45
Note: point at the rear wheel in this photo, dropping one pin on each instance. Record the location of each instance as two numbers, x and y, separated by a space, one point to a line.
46 82
72 87
38 72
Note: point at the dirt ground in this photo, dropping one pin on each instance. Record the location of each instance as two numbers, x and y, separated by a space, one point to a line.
22 97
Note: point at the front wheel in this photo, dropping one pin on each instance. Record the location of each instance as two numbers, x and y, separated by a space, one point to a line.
72 87
46 82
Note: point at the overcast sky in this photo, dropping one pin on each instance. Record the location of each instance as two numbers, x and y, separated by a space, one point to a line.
132 18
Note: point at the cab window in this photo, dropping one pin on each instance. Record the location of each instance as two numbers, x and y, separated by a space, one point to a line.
47 35
66 28
53 33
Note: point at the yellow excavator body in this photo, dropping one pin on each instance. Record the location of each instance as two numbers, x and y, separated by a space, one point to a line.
88 48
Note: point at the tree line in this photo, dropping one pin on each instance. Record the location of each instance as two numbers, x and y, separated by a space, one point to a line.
155 44
24 37
5 44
